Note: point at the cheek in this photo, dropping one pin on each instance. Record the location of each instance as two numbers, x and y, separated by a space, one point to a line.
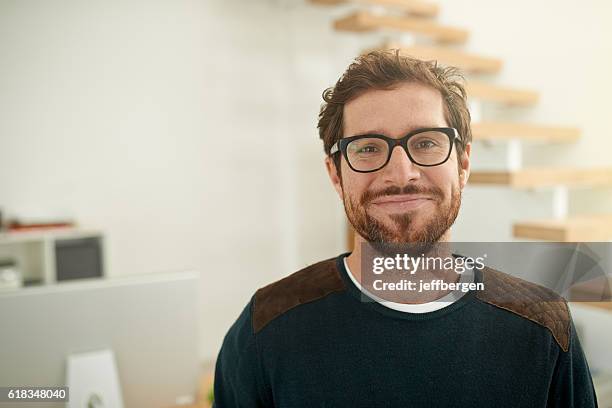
355 185
353 189
446 178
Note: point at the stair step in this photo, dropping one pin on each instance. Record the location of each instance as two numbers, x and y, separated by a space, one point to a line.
468 62
366 21
500 94
414 7
544 177
593 293
595 290
581 228
599 305
509 130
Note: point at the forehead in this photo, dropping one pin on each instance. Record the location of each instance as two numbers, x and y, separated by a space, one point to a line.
394 112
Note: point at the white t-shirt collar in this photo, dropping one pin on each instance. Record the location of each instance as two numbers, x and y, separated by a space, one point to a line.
445 301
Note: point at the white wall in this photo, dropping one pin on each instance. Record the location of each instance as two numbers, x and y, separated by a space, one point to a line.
187 129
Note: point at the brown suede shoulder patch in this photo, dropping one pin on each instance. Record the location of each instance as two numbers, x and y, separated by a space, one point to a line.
534 302
311 283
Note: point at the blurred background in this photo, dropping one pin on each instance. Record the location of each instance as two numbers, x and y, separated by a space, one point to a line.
171 145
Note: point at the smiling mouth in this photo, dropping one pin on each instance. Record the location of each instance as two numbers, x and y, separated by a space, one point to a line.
401 202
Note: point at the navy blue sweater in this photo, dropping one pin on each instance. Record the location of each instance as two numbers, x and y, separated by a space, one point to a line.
309 340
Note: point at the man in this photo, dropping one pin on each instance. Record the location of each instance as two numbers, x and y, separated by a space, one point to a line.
396 132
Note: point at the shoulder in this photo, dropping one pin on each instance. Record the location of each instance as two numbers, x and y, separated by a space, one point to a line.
306 285
528 300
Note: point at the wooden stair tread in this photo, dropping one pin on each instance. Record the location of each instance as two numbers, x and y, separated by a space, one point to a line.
366 21
593 290
508 130
580 228
544 177
501 94
415 7
592 293
447 56
599 305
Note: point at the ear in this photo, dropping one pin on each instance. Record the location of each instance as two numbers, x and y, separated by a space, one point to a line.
333 175
464 170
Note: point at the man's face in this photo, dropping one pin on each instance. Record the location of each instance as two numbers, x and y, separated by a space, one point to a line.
402 202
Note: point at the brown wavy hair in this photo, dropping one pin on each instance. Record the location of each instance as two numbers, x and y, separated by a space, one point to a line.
384 69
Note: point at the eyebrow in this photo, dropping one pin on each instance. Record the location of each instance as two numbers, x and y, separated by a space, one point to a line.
370 132
381 132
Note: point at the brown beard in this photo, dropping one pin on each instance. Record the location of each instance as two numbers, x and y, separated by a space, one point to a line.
374 231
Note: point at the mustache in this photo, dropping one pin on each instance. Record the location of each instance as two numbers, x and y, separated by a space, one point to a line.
370 195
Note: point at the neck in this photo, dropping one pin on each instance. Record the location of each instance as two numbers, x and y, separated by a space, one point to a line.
354 262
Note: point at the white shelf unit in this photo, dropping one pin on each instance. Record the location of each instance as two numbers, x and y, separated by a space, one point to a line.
34 251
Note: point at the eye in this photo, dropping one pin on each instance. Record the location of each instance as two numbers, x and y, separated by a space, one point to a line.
425 144
368 149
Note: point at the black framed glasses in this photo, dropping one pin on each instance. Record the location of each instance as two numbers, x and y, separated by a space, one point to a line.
371 152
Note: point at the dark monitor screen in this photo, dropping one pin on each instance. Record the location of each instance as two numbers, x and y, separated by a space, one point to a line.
78 258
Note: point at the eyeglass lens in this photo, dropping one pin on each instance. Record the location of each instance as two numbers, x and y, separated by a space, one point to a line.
370 153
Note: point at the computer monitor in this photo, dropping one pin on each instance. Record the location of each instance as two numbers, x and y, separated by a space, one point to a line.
150 322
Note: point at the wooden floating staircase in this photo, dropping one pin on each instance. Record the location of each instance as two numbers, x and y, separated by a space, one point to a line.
361 21
499 94
413 7
594 292
471 63
431 40
500 131
579 228
544 177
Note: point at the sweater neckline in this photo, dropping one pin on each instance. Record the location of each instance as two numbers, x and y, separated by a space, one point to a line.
370 303
444 301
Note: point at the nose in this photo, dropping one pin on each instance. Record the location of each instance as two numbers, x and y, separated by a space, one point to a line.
400 170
